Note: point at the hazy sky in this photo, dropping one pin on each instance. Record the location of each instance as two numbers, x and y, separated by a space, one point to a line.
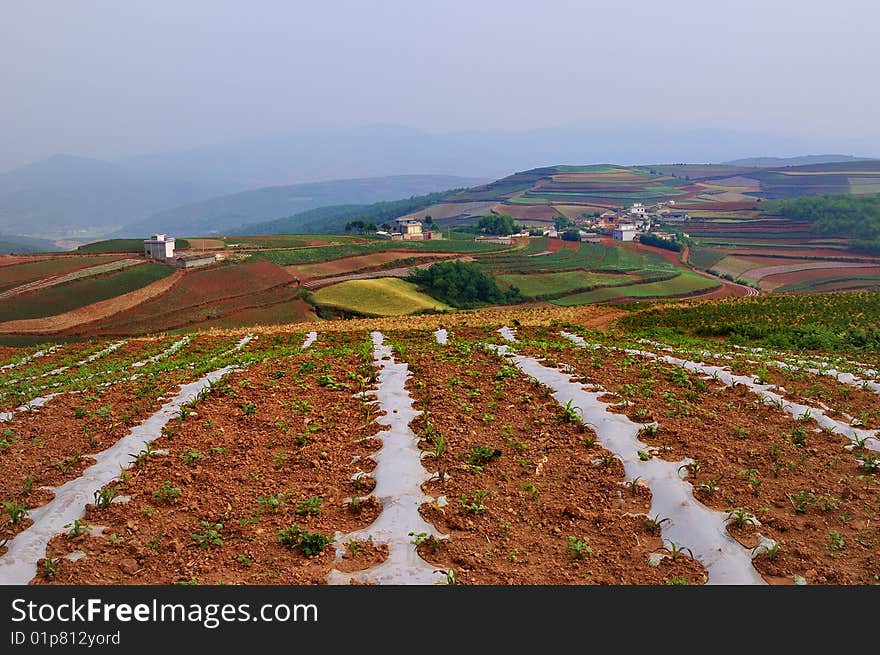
117 77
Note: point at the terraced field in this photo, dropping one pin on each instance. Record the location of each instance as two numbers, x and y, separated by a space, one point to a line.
378 297
434 450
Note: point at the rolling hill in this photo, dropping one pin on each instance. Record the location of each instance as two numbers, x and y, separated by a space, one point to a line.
219 215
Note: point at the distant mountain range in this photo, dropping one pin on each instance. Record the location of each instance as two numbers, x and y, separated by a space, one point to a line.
70 196
773 162
217 187
219 215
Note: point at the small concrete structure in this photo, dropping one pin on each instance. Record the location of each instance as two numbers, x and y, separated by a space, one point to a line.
494 238
194 261
159 246
625 232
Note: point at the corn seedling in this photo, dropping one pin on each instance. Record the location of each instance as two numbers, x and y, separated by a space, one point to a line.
653 523
740 517
78 528
17 513
675 551
105 495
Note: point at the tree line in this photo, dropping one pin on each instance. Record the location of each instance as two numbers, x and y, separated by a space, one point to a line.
462 284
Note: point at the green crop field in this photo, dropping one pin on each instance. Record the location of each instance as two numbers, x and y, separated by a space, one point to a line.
704 258
378 297
66 297
546 285
325 253
684 283
827 321
586 256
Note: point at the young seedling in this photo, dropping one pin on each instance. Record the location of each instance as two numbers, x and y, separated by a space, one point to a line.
479 456
310 506
653 523
274 503
675 551
78 528
741 517
50 566
17 513
308 543
770 549
836 542
579 548
570 413
802 500
474 504
451 576
167 493
870 462
141 458
210 535
191 457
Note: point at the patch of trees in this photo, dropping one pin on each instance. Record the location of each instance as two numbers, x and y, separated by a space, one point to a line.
561 222
361 226
462 284
660 242
571 235
497 224
854 216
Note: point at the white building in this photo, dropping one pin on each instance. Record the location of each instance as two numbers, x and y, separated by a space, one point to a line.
638 209
625 232
159 246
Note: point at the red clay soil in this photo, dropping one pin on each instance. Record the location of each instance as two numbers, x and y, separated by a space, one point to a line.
808 389
536 503
267 449
53 444
813 498
73 320
201 295
805 253
527 212
830 271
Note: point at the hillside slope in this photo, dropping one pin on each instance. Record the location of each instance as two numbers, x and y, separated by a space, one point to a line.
224 213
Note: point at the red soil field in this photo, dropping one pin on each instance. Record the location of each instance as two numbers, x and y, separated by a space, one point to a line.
357 263
27 269
202 295
805 253
527 212
811 274
74 319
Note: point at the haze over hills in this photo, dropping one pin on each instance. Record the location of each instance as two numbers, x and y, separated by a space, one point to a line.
767 162
218 215
70 196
